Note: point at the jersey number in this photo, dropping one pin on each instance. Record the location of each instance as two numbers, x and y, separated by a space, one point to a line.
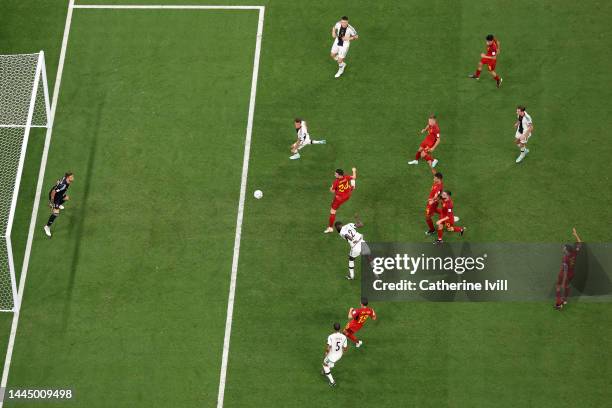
338 345
362 319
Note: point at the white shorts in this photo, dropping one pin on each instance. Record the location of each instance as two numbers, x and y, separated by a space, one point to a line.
341 51
330 361
357 250
521 137
304 142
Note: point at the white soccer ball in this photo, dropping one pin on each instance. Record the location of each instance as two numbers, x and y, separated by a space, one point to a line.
258 194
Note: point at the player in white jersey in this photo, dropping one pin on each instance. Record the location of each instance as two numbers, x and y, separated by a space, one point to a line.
336 346
343 34
303 139
356 242
524 128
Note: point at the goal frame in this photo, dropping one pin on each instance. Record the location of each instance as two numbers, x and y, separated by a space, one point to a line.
40 75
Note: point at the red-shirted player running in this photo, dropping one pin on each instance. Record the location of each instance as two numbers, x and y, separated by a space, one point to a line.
432 202
358 318
566 274
342 188
429 144
447 218
489 59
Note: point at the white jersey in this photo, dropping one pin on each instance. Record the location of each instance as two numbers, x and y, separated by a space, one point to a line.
342 32
336 342
350 233
302 132
524 123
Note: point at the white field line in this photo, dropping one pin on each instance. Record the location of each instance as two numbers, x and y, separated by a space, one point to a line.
165 7
239 217
41 176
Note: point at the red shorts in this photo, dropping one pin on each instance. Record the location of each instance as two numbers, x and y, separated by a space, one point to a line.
570 276
338 201
353 326
427 144
431 210
450 223
489 62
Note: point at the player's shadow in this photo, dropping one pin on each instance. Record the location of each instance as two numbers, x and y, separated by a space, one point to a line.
80 216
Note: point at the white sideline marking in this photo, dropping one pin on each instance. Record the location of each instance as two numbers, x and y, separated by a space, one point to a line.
239 217
165 7
41 176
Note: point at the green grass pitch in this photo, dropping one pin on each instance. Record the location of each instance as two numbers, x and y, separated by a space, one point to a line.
126 304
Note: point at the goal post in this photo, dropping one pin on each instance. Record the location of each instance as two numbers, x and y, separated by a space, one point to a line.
24 103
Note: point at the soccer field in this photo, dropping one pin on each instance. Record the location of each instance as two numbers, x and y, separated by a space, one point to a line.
127 303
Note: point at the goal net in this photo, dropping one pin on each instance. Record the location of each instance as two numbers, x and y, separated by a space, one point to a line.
24 103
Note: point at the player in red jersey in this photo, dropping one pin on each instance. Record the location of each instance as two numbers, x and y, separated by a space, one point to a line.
489 59
432 202
447 218
358 318
429 144
566 274
342 188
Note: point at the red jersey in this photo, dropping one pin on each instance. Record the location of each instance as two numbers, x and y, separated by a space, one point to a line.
436 189
361 314
342 186
433 134
492 49
569 259
447 209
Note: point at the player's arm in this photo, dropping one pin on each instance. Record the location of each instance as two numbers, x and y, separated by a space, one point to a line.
327 348
334 31
53 195
332 189
354 176
358 222
441 220
350 313
425 129
354 36
373 315
575 234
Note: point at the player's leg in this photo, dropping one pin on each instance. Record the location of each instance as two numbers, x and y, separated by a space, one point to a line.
327 366
566 295
496 77
351 268
476 75
342 51
454 228
295 154
521 142
350 334
417 156
428 214
558 299
427 156
55 211
312 141
332 217
440 234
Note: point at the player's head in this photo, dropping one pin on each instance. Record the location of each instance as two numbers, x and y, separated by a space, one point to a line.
344 21
69 176
298 123
520 110
445 195
337 326
364 301
339 173
338 225
438 177
490 38
432 119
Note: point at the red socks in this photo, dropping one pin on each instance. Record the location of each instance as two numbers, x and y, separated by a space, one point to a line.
428 157
567 292
497 78
457 229
430 224
417 156
440 232
332 218
558 302
477 74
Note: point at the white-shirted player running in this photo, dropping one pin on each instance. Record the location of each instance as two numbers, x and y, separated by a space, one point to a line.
303 139
524 129
336 346
343 34
356 242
